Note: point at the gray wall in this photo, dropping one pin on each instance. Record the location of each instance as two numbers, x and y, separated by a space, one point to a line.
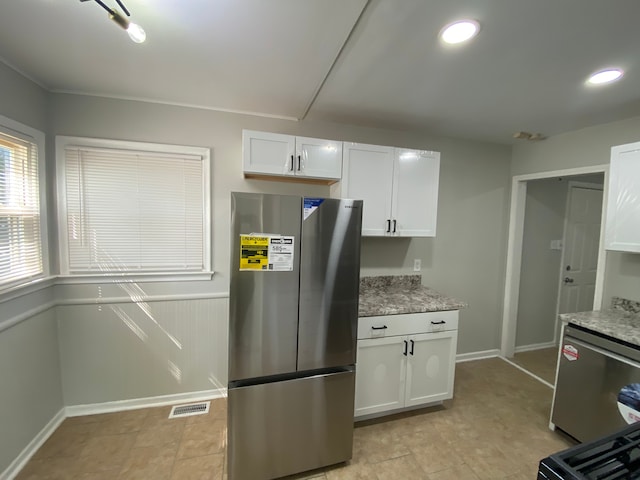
544 221
465 260
30 379
100 345
588 147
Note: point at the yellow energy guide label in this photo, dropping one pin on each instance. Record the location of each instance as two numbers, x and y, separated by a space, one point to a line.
266 252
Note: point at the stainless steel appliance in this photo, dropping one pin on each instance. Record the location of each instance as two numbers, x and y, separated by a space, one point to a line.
598 386
616 456
295 266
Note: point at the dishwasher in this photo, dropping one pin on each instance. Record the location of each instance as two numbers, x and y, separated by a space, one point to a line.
598 385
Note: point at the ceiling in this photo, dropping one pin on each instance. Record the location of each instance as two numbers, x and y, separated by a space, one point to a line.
374 63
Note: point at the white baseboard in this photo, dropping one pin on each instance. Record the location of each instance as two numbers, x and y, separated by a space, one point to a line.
535 346
21 460
467 357
136 403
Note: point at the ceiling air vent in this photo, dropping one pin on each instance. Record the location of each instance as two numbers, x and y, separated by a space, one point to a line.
199 408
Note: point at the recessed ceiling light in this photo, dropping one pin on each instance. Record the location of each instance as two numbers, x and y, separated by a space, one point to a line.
460 31
605 76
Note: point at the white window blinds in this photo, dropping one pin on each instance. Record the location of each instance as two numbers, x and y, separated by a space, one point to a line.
134 211
20 239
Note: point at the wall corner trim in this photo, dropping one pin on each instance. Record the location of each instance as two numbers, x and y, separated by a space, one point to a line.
21 460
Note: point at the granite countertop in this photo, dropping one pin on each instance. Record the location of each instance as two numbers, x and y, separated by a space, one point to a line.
621 321
397 294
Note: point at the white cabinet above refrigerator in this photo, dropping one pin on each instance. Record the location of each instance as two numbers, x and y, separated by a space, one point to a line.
287 156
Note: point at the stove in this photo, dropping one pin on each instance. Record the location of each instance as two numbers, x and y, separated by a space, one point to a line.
615 456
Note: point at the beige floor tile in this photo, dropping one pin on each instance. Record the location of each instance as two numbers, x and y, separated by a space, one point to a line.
67 441
459 472
399 468
160 433
60 468
208 467
495 427
149 463
202 439
122 422
352 471
105 452
540 362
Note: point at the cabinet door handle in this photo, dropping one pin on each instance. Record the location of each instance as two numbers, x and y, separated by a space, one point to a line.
388 225
406 346
291 168
441 322
379 328
299 162
412 345
394 226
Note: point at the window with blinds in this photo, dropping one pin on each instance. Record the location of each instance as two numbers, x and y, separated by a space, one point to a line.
20 236
134 211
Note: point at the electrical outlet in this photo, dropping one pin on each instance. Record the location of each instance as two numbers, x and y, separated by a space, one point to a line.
417 265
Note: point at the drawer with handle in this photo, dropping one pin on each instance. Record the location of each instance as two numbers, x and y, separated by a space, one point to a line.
407 324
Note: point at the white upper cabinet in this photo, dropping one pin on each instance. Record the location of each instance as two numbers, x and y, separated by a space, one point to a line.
399 188
622 230
367 173
274 154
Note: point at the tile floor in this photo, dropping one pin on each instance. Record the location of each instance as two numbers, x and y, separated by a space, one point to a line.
495 428
540 362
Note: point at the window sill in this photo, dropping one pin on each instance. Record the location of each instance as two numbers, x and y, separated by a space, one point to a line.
68 279
25 288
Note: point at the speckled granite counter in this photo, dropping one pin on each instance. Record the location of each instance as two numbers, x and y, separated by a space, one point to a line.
622 321
393 295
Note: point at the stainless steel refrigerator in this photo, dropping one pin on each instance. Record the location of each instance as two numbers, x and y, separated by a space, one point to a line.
295 265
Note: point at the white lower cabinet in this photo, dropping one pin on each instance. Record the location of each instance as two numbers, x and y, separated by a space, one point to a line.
405 361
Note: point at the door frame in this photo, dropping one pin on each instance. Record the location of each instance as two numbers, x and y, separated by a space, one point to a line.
514 248
561 274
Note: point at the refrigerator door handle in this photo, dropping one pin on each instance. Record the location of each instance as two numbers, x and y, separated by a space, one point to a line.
406 347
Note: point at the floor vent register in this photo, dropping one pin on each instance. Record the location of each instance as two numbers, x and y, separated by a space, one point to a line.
199 408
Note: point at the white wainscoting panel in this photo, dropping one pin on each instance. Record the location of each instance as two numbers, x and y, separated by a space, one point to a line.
123 351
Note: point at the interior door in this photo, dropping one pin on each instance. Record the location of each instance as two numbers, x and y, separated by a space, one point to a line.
580 256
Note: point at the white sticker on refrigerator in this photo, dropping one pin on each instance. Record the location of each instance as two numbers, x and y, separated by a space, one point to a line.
570 352
629 402
265 252
310 205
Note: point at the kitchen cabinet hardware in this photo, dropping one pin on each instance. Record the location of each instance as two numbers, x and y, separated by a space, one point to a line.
412 345
388 226
441 322
568 280
299 162
384 327
291 169
394 226
406 346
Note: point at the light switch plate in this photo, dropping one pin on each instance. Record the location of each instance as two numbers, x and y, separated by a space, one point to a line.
417 265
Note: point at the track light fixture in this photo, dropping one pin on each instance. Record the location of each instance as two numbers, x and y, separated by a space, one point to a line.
135 31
